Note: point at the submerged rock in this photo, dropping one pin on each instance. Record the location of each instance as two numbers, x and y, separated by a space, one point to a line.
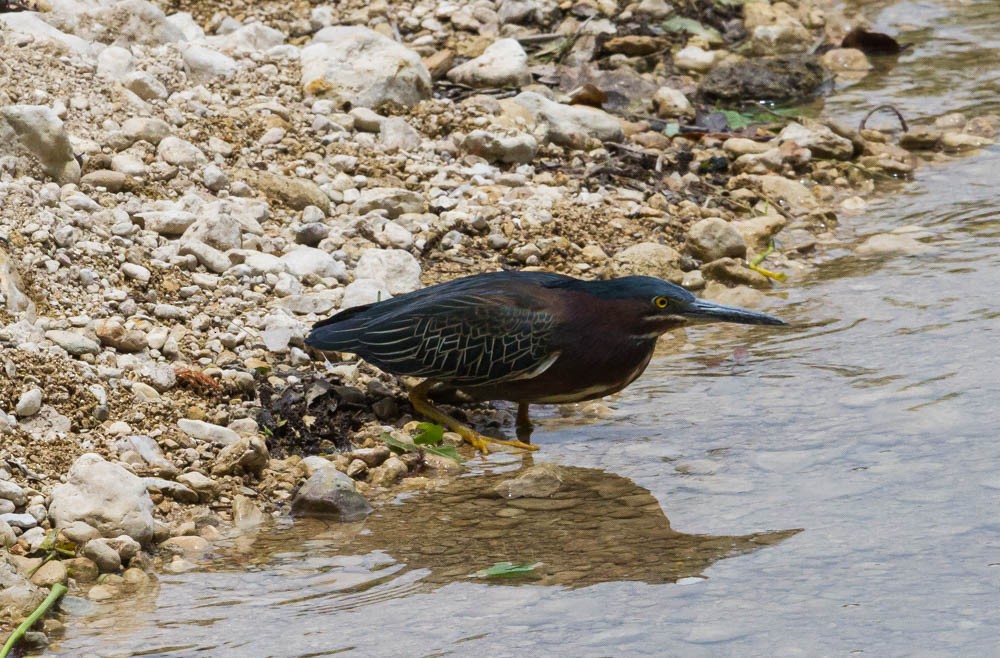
328 492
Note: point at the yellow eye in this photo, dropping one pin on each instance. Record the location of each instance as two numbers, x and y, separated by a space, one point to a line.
661 302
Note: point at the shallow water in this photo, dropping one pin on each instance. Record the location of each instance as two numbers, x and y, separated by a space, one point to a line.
824 490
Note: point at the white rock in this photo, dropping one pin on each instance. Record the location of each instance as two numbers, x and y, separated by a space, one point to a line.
203 431
396 134
106 497
114 63
249 39
74 343
397 269
359 66
29 403
891 244
144 85
260 264
303 261
693 58
169 223
395 201
713 238
127 22
188 26
364 291
204 64
573 126
39 129
29 23
128 164
151 130
669 102
280 330
182 153
501 145
503 64
819 139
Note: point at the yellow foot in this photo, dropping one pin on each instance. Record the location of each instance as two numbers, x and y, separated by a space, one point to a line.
481 443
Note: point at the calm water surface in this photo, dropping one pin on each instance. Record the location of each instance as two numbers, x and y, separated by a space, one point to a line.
831 489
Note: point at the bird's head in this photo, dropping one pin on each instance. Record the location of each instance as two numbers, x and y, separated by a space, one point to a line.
662 305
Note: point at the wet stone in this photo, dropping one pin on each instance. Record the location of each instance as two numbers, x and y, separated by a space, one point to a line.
785 78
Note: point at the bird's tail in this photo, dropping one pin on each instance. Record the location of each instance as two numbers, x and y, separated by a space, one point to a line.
339 332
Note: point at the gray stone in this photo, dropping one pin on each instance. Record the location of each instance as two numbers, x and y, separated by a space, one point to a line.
296 193
179 152
819 139
23 521
150 130
149 450
105 496
501 145
168 223
79 532
204 64
112 181
39 129
330 493
390 472
359 66
394 201
144 85
713 238
305 261
206 488
503 64
572 126
199 429
7 536
171 489
103 554
74 343
648 259
248 455
396 134
29 403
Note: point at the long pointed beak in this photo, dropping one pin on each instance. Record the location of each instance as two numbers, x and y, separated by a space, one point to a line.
705 311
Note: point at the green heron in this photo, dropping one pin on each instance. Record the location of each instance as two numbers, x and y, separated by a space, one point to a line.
526 337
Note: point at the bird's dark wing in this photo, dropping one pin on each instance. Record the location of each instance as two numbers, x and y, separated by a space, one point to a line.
469 338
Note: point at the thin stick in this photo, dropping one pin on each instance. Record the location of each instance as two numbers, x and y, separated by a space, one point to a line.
57 591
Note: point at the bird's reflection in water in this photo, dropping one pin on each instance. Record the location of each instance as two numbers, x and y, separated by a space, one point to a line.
582 525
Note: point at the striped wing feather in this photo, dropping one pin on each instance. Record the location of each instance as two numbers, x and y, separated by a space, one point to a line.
468 339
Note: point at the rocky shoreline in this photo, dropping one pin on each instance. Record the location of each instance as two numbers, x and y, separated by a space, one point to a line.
186 187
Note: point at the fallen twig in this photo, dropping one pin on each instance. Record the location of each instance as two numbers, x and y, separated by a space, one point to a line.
892 108
57 591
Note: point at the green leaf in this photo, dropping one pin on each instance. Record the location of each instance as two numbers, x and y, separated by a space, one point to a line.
448 452
431 434
397 446
671 129
503 569
737 120
691 26
402 447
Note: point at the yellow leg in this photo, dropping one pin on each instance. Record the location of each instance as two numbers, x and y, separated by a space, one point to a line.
423 406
